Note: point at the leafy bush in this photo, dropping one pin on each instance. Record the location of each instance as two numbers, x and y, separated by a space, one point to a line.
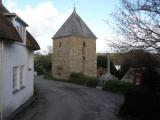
91 82
35 92
77 78
81 79
48 75
152 79
42 63
141 103
117 86
137 58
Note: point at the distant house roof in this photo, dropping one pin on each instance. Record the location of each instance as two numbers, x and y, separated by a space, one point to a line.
9 32
74 26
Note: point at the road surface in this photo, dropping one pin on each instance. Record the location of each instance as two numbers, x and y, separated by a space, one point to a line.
63 101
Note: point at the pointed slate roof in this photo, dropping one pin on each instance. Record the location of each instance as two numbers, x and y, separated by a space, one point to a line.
74 26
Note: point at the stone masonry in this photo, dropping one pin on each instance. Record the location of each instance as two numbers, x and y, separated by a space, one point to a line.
76 52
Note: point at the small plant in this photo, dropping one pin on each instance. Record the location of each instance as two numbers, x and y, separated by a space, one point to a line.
117 86
77 78
48 75
35 92
91 82
81 79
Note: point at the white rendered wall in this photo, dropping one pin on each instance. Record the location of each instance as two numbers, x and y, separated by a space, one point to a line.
16 55
1 80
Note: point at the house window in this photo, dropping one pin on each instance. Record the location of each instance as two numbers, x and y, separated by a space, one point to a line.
60 44
15 79
22 76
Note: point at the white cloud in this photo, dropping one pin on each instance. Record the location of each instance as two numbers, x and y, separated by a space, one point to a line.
44 20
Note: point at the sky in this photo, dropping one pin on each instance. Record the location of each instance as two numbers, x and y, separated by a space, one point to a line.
45 17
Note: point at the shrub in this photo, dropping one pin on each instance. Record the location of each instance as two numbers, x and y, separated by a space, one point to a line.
48 75
77 78
35 92
42 63
81 79
91 82
117 86
142 103
137 58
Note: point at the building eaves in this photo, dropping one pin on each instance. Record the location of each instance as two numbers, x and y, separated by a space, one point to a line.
31 42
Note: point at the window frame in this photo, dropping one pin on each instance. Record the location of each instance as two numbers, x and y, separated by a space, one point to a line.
16 79
22 76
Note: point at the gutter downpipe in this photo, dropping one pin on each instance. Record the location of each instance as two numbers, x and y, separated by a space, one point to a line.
1 79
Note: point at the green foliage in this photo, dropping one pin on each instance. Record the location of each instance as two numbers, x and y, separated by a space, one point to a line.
48 75
91 82
42 63
137 58
141 103
117 86
77 78
152 79
35 93
81 79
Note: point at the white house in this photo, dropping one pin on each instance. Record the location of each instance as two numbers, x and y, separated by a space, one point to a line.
16 62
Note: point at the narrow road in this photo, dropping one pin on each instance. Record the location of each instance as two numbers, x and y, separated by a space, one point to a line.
63 101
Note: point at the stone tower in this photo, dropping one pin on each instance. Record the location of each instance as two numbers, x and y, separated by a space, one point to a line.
74 49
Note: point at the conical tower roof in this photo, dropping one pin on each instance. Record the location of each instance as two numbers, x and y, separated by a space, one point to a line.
74 26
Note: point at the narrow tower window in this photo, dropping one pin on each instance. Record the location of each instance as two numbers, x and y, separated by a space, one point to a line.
84 44
84 58
60 44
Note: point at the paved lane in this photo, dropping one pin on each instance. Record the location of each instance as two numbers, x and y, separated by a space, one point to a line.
63 101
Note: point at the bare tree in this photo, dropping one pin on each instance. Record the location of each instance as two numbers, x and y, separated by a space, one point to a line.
138 24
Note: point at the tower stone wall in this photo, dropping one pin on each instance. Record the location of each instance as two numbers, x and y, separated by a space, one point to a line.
74 54
74 49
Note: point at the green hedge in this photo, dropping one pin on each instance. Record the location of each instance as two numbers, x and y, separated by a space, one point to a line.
117 86
91 82
81 79
142 103
48 75
77 78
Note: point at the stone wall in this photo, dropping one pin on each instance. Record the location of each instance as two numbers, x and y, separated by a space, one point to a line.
74 54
